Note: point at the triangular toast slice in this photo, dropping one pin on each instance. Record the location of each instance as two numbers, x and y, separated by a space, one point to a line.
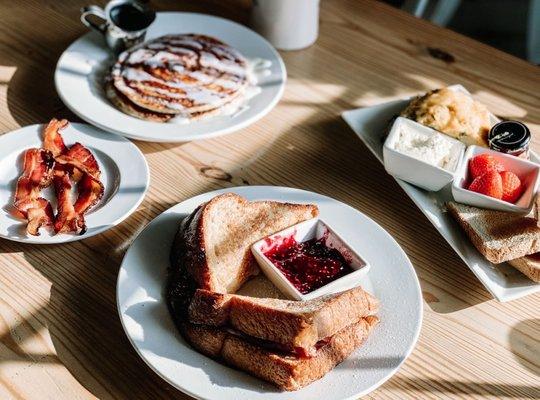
500 236
213 243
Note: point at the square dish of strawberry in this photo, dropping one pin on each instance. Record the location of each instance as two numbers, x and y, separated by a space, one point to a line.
490 179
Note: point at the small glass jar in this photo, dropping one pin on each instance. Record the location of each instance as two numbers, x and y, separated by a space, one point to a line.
510 137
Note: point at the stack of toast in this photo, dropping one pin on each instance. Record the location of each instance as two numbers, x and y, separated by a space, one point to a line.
288 343
502 236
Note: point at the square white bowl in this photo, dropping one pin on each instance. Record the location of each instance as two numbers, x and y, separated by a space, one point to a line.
527 171
311 229
413 170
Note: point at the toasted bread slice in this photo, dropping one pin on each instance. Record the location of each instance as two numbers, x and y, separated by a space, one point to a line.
213 243
529 266
285 371
301 323
499 236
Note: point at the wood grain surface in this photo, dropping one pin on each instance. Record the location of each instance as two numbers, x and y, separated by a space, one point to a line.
60 335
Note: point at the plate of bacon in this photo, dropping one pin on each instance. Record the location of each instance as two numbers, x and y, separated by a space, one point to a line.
65 182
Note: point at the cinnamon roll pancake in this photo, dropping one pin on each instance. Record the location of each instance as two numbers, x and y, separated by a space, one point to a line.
126 106
188 75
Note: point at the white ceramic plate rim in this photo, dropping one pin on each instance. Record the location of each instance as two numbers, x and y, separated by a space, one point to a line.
128 159
91 108
128 291
362 121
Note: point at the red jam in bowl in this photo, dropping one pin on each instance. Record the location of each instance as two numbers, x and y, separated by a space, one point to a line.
307 265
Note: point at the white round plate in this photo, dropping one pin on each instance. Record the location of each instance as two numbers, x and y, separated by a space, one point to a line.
148 325
82 67
124 173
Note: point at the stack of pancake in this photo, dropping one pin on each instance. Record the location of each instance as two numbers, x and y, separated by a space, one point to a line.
184 76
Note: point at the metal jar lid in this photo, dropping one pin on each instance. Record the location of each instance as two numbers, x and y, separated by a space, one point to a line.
509 136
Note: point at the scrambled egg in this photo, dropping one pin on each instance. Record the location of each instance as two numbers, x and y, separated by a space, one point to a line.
453 113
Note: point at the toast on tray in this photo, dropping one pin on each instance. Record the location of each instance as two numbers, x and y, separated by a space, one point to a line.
445 137
500 236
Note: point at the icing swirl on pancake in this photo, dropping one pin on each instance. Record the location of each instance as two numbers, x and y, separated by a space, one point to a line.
181 74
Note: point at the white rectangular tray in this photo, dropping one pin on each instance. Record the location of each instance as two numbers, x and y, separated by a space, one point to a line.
502 281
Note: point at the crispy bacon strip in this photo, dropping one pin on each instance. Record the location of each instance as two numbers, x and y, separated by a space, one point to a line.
79 163
81 158
57 163
70 217
38 167
67 220
24 194
39 214
52 140
37 174
90 191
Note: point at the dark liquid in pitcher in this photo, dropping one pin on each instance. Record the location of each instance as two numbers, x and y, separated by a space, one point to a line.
131 18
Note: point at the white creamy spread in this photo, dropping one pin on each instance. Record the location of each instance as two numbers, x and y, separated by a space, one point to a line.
432 148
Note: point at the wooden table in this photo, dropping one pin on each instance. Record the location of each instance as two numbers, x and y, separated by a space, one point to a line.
60 335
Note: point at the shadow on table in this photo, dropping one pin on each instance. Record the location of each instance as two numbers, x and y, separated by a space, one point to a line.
31 95
82 316
524 342
439 387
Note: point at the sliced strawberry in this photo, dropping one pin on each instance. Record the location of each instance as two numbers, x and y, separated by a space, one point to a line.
483 163
512 187
489 184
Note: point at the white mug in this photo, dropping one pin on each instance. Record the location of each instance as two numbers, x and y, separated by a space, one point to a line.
287 24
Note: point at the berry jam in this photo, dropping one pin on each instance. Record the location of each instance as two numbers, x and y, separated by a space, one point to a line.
308 265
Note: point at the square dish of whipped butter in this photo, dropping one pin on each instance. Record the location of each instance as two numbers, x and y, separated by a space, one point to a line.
421 155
